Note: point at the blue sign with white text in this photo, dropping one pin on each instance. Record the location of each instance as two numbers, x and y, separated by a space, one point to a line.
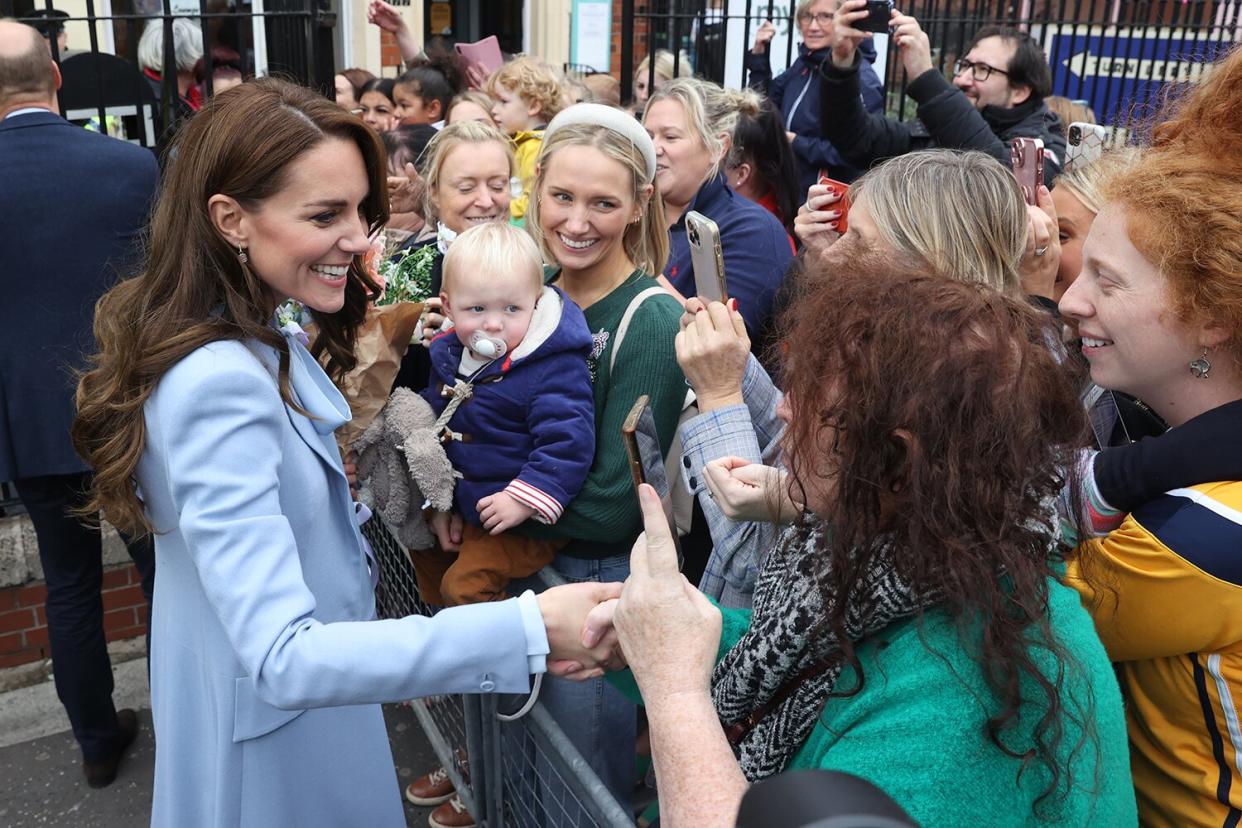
1120 72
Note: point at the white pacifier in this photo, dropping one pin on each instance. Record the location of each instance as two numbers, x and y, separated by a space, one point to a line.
487 347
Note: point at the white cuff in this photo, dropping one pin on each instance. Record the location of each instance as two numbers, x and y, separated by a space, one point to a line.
537 648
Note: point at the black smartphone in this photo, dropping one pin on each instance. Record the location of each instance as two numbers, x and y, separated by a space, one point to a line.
879 15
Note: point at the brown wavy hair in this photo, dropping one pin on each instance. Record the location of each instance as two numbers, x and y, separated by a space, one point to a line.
933 416
193 290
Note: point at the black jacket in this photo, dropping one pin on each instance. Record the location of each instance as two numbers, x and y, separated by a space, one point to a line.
947 119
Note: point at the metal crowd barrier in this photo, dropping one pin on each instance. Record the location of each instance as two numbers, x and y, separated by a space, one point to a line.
523 773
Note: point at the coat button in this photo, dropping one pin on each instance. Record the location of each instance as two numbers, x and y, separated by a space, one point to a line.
685 461
693 481
487 685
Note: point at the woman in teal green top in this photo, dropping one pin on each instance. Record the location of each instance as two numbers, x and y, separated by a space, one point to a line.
916 632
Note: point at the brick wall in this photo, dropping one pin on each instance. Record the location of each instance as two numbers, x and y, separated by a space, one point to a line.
23 625
390 53
641 27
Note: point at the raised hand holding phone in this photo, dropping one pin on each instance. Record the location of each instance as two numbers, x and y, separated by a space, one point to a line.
712 351
913 44
1038 268
1026 158
819 218
669 631
847 32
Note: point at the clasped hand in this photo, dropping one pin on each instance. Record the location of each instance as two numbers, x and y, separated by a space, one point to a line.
667 630
747 491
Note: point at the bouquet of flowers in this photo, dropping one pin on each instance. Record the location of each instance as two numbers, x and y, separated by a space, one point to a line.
405 276
405 279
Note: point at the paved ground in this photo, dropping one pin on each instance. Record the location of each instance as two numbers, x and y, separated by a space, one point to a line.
40 763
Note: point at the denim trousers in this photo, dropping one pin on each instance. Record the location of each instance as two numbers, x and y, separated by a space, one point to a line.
598 719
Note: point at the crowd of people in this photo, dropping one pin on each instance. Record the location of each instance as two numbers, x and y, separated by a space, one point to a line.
963 468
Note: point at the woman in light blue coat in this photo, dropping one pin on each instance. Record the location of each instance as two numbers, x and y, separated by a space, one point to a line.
211 427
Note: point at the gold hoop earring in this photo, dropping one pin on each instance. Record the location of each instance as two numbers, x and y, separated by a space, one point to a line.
1201 366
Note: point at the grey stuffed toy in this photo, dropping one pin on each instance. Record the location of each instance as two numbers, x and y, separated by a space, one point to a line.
401 460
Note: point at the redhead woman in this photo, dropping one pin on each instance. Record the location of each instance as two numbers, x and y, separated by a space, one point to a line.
1158 307
211 427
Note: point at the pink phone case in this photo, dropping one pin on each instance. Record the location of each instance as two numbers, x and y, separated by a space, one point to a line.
1026 156
485 53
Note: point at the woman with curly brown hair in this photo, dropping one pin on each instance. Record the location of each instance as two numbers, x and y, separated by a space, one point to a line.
910 627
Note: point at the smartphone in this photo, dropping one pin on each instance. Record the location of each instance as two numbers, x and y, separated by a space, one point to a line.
879 17
485 53
646 461
706 257
1086 143
843 206
1026 156
629 436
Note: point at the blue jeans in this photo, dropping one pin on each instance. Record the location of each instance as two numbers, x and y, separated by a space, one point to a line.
599 721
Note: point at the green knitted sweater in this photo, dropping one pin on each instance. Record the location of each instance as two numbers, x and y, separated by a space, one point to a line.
917 727
603 520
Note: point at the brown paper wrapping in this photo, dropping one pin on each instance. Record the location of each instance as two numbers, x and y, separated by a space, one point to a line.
382 341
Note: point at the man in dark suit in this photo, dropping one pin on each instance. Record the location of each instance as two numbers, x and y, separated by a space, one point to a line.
74 203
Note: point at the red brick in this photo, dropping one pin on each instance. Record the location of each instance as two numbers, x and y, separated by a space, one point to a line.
11 643
143 612
16 620
114 578
36 638
8 598
32 596
119 619
20 657
40 616
128 596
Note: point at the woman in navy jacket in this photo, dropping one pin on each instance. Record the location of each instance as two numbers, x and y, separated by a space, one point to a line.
689 147
796 90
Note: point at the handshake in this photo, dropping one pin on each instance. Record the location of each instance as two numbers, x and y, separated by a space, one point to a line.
657 622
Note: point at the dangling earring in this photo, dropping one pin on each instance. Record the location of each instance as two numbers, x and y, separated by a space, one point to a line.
241 255
1201 366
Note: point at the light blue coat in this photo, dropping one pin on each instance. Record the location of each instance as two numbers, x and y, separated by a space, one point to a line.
266 663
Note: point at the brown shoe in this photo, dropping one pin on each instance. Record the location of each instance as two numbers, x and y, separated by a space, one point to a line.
451 814
101 774
433 789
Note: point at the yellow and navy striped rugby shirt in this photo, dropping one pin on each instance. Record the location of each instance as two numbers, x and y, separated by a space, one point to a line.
1166 595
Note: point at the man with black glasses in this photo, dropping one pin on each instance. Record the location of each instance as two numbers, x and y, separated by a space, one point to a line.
997 95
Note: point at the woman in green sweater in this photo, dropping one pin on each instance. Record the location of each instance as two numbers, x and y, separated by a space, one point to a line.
596 215
914 631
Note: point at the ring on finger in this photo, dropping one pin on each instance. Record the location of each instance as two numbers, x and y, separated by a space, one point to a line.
1039 251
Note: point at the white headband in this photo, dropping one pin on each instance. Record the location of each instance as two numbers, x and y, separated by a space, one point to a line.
608 117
